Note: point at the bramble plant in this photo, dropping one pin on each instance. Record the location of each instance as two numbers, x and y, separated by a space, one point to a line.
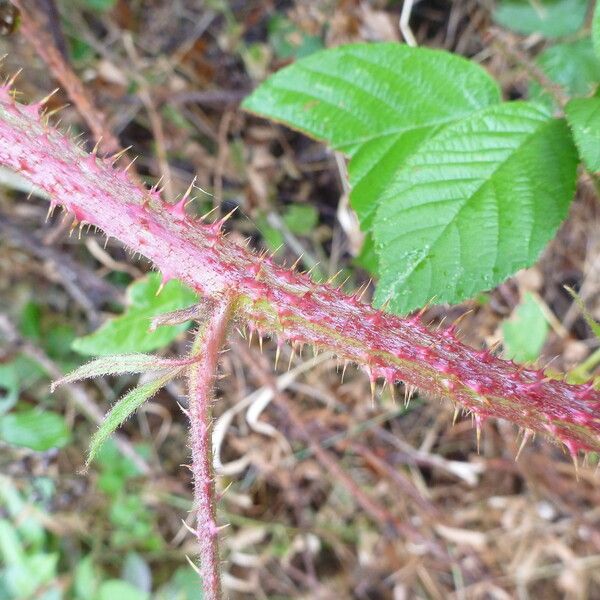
455 188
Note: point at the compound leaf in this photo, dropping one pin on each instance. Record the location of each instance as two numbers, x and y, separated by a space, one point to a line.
472 205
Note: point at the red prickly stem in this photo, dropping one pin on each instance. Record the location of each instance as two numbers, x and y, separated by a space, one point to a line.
280 301
201 379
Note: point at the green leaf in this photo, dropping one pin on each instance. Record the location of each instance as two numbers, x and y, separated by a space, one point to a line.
596 30
359 92
301 219
583 116
551 18
123 409
472 205
525 332
574 66
117 365
86 579
34 429
374 102
290 42
129 333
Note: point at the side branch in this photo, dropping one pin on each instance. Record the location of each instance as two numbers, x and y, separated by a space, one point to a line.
201 378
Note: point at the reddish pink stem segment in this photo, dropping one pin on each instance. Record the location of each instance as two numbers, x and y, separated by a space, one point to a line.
201 379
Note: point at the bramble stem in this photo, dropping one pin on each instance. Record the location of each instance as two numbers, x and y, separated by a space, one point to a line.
201 378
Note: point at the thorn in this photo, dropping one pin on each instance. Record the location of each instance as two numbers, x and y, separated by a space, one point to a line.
12 80
115 157
161 287
190 188
185 411
344 370
478 435
333 277
130 164
220 222
50 210
260 343
193 565
73 226
250 336
373 387
365 289
343 283
312 268
455 416
212 210
526 436
46 98
296 262
190 529
277 353
292 355
96 146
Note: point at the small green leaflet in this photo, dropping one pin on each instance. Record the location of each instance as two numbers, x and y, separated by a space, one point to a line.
117 365
525 332
583 116
128 332
574 66
551 18
123 409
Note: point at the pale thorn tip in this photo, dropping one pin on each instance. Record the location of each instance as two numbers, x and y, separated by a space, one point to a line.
333 277
297 262
12 80
455 415
48 96
96 146
130 164
277 353
115 157
344 370
292 355
260 343
212 210
193 565
161 287
526 436
190 529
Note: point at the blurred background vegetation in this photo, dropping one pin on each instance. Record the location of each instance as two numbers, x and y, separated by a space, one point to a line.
444 519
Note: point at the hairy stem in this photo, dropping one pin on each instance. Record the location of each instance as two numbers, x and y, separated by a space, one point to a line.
201 378
286 304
